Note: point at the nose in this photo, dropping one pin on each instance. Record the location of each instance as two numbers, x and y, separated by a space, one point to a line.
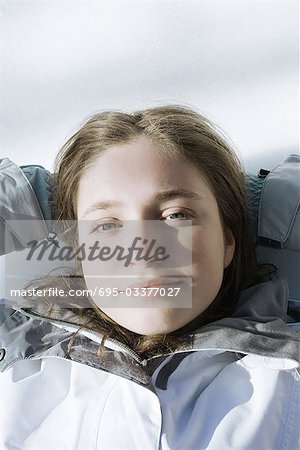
145 252
144 259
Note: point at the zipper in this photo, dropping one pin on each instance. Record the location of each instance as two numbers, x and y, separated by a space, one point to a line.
135 356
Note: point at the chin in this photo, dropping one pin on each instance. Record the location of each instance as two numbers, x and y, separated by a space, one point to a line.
155 325
153 331
150 321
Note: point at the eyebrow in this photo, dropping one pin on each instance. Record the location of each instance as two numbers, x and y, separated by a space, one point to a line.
171 194
163 196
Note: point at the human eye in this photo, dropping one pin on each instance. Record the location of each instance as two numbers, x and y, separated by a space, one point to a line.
105 226
178 215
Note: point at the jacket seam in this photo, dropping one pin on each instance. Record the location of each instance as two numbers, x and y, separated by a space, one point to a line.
290 417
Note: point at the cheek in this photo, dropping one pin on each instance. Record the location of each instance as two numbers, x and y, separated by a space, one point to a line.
208 254
207 272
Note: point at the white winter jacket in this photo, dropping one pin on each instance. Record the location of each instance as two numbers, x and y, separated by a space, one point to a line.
236 387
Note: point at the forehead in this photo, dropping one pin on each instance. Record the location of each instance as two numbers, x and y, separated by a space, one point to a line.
137 169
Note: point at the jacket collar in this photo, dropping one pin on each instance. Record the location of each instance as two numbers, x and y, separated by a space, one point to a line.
256 327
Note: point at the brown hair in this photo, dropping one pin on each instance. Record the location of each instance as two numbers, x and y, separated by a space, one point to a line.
178 131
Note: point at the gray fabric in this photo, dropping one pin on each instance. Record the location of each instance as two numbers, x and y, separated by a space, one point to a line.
288 267
254 185
42 184
279 223
279 214
257 327
258 324
24 336
167 370
18 203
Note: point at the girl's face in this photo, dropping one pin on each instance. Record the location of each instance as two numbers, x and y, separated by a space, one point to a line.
128 180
